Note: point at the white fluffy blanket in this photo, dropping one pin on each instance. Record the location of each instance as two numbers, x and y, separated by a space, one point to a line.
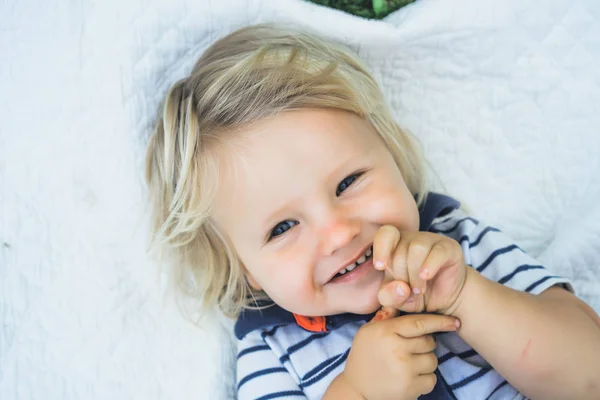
504 95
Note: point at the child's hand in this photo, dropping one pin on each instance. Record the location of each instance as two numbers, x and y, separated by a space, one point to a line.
394 359
430 267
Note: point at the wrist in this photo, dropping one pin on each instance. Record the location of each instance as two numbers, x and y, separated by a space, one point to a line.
340 388
472 279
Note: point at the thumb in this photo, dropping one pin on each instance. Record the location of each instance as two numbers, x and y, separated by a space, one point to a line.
393 294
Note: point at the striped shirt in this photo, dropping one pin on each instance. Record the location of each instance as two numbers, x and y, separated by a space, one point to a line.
277 359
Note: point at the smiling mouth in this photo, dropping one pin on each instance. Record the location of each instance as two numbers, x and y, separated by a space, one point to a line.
362 259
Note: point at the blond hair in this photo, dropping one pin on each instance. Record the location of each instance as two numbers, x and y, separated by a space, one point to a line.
251 74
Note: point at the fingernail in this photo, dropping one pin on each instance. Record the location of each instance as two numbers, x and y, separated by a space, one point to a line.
457 323
416 290
379 264
424 274
410 299
399 291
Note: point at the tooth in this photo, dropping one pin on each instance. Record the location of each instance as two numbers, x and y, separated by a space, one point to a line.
361 259
350 267
342 272
369 252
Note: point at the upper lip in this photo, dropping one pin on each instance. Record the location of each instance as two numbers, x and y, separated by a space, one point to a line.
350 262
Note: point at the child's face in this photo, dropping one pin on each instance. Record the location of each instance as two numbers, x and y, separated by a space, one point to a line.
306 194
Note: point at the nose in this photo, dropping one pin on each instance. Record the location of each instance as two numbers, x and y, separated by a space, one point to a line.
337 231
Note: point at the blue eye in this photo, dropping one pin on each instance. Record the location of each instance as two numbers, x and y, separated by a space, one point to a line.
346 182
281 228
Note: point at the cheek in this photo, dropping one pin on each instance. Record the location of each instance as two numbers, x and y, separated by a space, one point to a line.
390 205
286 279
290 292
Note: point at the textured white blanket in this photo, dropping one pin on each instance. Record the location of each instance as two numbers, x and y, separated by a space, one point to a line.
504 95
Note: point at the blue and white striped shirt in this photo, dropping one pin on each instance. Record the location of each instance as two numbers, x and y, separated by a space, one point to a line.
277 359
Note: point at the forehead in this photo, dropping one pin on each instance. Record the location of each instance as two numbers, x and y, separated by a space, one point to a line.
281 158
297 136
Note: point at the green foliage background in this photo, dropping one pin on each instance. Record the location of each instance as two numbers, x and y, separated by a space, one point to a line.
374 9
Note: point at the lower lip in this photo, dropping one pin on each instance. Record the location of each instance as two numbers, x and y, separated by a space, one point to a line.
356 273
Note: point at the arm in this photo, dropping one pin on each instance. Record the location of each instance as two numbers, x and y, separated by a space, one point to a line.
254 356
260 373
542 339
546 346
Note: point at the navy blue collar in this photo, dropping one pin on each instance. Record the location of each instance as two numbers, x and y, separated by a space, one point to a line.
435 206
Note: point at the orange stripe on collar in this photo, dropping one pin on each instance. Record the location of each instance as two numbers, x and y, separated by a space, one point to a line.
312 324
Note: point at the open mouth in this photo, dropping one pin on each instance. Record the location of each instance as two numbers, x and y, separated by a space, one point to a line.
361 260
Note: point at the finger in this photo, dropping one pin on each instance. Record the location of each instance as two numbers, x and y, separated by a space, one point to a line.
423 344
384 313
442 254
399 267
414 325
425 383
385 242
418 252
424 364
393 294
